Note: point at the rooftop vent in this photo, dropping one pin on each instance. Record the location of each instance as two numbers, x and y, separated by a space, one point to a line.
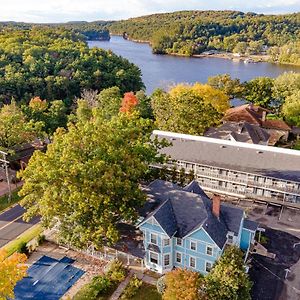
222 146
259 152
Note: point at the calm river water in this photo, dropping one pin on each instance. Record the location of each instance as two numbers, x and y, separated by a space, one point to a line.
163 70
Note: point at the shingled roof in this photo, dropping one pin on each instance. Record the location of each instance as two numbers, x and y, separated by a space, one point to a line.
240 132
179 212
257 159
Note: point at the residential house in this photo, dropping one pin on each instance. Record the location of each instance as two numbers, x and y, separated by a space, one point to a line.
186 229
240 132
238 170
278 129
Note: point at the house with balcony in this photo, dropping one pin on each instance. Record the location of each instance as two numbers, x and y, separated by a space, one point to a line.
236 169
183 228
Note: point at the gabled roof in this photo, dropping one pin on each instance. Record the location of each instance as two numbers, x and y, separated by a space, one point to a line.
240 132
181 211
250 225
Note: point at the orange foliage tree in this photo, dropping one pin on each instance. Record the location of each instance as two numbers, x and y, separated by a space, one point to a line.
37 104
129 102
12 269
182 284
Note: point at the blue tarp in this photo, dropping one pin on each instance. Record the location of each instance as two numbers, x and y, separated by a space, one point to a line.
48 279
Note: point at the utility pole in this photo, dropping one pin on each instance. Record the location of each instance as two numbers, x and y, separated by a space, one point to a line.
5 164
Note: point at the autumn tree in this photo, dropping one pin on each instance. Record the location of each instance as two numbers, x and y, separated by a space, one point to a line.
183 284
12 269
189 109
129 103
15 129
52 115
228 279
88 179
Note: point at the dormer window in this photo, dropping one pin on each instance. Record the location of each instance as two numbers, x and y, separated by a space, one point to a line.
153 238
179 242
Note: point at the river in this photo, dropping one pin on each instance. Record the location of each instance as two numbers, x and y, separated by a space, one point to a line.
161 71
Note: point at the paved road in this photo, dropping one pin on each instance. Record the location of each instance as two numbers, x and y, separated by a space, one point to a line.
12 224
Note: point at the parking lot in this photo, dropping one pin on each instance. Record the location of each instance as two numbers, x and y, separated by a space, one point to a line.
279 278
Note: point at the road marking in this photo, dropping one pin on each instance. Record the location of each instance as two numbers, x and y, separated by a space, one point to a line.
16 219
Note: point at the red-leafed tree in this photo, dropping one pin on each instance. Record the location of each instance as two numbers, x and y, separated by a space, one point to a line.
129 102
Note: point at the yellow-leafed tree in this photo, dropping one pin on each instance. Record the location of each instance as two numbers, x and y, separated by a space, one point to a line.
12 269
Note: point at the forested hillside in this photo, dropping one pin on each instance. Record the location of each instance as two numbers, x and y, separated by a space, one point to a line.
192 32
56 63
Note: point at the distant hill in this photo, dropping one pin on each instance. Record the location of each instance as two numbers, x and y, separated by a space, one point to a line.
192 32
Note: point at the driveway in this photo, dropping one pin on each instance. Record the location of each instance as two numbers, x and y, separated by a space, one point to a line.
12 224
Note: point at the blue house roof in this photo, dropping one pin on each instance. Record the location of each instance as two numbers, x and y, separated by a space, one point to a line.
181 211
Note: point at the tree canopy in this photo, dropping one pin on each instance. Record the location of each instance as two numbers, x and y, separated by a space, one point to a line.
88 179
228 279
12 269
15 130
189 109
56 63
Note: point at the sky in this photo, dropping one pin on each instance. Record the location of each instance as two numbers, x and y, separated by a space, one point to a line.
43 11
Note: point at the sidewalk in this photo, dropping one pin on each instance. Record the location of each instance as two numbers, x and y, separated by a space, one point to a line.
118 292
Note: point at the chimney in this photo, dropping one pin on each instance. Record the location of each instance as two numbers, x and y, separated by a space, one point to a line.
216 205
264 114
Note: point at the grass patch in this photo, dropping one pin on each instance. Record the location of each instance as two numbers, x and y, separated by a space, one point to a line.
4 203
25 237
147 292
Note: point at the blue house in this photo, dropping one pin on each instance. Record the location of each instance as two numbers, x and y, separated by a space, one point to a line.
183 228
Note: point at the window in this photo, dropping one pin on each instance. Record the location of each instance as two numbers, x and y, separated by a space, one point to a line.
208 266
192 262
166 259
179 242
154 257
193 246
209 250
153 238
178 257
166 242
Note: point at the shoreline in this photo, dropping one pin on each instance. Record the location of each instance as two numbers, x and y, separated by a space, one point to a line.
259 58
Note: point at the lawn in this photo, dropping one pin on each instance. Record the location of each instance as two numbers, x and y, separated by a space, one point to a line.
147 292
4 203
25 237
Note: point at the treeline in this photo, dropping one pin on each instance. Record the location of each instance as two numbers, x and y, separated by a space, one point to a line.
56 63
192 32
96 30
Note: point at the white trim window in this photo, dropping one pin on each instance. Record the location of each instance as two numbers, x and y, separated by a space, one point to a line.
167 260
153 238
178 257
153 257
179 242
209 250
192 262
166 242
208 266
193 245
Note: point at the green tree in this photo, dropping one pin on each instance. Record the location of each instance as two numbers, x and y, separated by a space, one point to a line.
88 180
291 108
285 85
15 129
228 279
260 91
189 109
231 87
240 47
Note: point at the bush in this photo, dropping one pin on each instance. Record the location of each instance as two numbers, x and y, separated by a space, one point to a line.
99 286
132 288
22 248
41 239
117 271
161 285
